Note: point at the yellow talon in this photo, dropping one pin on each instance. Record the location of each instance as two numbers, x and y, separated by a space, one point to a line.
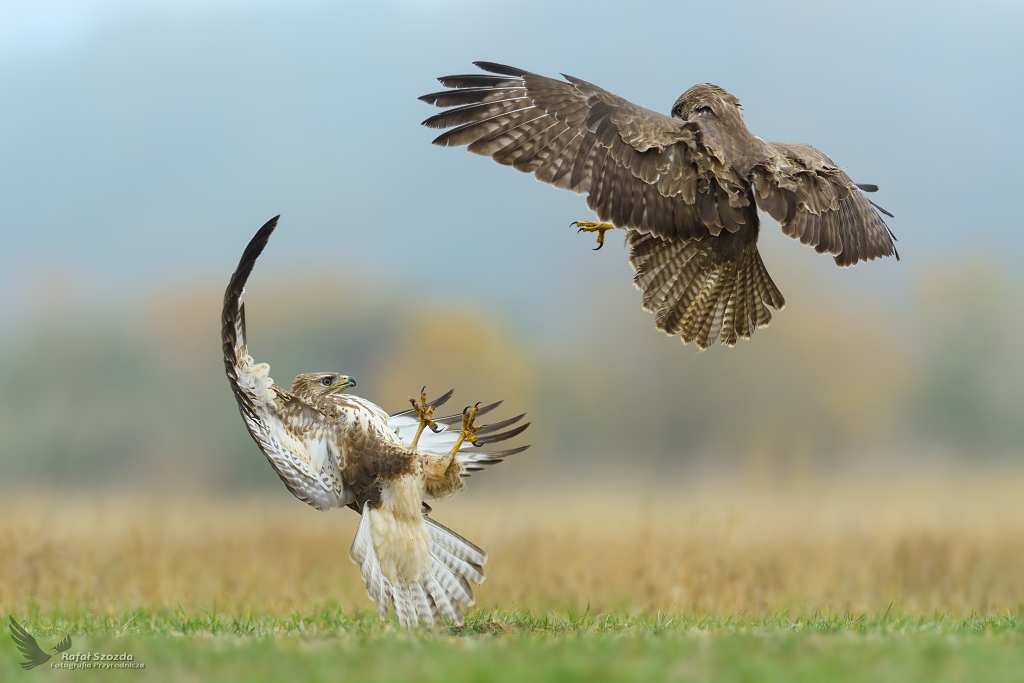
468 429
599 228
425 412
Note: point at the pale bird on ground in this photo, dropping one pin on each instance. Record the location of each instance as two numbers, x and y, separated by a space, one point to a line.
686 188
332 449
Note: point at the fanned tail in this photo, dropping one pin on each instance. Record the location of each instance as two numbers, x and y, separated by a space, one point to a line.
364 556
455 564
441 591
704 289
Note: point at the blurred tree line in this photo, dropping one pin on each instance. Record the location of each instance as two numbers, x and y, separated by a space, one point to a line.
138 397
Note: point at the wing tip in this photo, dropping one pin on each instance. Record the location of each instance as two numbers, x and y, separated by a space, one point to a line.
501 69
881 209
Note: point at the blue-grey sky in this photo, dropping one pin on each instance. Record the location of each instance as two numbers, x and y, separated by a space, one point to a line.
142 143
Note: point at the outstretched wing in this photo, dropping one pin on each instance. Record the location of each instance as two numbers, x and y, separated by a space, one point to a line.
27 645
818 204
639 169
307 466
473 457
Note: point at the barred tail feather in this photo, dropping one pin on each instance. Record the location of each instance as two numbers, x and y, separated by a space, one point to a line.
442 591
458 546
424 603
455 563
702 294
443 601
404 609
378 586
413 603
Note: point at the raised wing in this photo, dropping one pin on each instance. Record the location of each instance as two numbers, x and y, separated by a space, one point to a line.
818 204
639 169
305 461
28 646
473 458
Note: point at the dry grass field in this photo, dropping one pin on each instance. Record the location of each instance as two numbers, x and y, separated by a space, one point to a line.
935 544
930 553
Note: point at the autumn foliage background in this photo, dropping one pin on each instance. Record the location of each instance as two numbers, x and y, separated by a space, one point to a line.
853 456
865 451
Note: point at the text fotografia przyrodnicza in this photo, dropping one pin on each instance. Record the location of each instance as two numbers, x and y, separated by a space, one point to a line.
97 660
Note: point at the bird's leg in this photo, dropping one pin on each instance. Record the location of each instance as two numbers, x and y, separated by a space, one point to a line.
466 434
599 228
443 475
469 429
425 412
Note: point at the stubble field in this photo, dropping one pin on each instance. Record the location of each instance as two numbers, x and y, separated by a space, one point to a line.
905 578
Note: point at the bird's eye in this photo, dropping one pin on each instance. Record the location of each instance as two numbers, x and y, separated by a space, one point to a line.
326 381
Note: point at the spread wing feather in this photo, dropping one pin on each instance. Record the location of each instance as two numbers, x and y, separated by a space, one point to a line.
636 166
818 204
473 457
308 468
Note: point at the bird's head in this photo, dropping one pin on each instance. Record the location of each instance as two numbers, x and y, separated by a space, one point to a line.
315 385
704 98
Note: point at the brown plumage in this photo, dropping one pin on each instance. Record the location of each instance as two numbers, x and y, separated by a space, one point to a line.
686 187
332 449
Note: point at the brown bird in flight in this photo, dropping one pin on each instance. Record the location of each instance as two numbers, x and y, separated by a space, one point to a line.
686 188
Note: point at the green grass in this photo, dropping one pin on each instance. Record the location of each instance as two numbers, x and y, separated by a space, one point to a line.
331 645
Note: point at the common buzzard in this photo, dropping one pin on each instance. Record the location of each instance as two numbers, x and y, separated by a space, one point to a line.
686 188
332 449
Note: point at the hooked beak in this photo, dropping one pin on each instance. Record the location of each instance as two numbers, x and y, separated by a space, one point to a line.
346 383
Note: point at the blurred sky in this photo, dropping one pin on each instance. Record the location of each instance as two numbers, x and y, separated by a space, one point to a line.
142 143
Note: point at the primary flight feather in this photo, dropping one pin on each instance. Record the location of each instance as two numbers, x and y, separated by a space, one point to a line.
686 187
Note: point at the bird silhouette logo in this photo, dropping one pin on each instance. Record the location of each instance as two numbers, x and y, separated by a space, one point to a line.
34 655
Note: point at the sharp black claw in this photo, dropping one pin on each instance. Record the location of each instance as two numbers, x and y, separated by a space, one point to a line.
438 430
574 223
598 247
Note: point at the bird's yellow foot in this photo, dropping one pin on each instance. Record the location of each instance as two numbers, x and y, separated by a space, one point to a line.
599 228
468 429
425 412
